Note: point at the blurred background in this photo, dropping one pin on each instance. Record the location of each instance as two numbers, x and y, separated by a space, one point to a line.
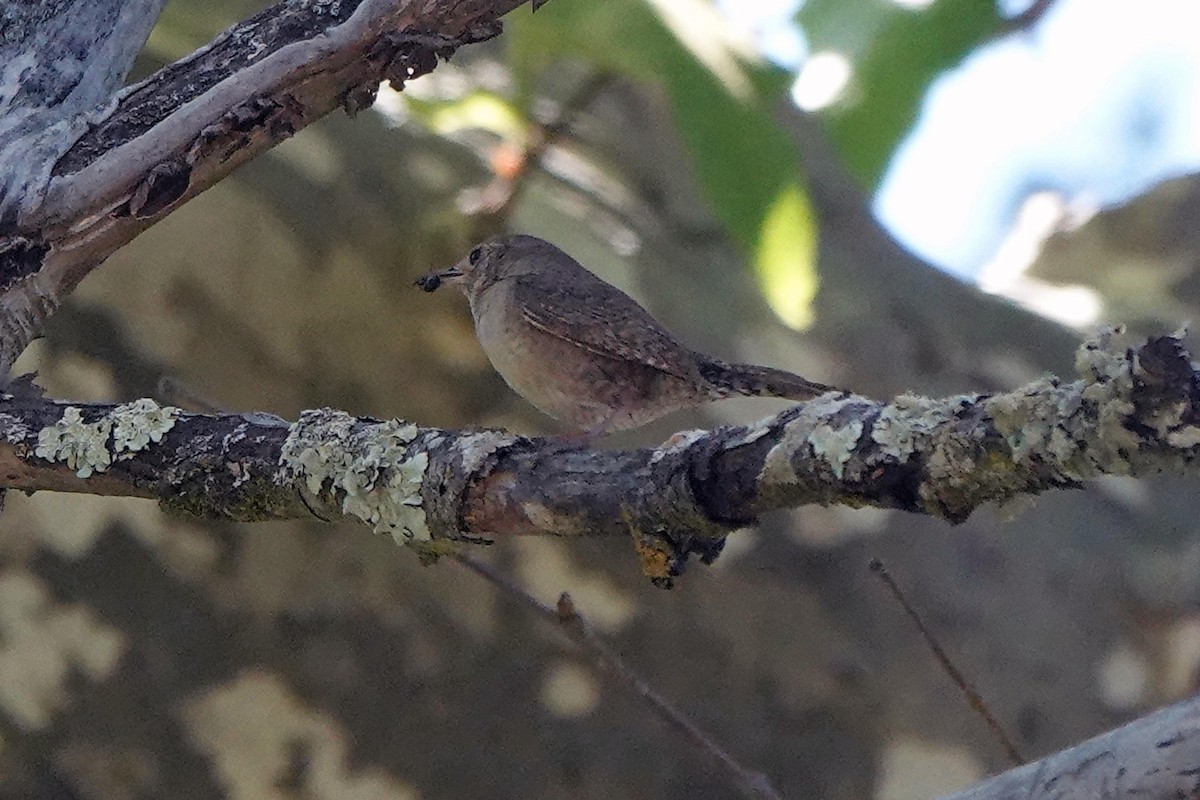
889 196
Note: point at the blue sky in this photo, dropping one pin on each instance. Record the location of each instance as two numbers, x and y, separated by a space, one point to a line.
1098 102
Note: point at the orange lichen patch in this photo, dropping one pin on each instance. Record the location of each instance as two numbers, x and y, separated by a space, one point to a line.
658 563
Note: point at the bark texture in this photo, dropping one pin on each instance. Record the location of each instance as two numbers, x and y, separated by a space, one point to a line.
1133 412
1156 756
63 61
70 200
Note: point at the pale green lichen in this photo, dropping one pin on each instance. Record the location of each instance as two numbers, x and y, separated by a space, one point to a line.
777 469
1081 426
367 467
137 424
836 445
1038 425
1027 418
1187 436
15 429
908 420
83 446
1167 418
1095 359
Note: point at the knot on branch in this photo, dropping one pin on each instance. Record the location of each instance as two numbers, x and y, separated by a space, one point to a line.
19 258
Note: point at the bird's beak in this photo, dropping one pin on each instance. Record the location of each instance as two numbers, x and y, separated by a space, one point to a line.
434 280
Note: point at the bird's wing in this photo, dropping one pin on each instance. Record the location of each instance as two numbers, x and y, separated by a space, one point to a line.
598 317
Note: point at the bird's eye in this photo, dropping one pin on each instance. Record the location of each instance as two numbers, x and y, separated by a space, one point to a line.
474 256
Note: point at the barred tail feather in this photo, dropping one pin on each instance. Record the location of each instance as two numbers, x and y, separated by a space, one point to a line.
755 381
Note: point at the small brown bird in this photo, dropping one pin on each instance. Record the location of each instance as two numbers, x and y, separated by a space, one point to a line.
584 352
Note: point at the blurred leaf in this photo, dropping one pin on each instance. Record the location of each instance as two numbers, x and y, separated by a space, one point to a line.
477 110
722 101
788 230
895 53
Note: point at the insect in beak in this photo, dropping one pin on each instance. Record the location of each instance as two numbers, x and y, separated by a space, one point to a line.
433 281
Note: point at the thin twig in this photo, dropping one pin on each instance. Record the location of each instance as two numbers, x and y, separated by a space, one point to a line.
501 196
573 626
557 129
974 699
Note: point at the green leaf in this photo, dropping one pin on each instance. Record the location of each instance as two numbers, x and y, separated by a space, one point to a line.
722 100
895 53
787 231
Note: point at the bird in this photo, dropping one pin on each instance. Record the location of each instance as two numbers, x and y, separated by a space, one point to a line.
582 351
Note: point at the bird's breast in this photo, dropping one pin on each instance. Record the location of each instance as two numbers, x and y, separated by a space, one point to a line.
559 377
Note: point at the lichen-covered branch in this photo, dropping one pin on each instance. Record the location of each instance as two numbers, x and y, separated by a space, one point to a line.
1157 756
1132 412
154 146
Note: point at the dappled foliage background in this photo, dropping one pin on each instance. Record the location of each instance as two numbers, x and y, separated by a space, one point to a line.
149 656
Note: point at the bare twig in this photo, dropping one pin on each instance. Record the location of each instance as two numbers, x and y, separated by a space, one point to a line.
555 131
501 195
974 699
574 627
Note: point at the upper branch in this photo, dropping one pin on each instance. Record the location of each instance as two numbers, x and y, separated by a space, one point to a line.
62 62
1157 756
181 130
1133 412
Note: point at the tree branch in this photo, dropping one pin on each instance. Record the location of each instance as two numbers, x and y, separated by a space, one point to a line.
63 60
177 133
1157 756
1134 412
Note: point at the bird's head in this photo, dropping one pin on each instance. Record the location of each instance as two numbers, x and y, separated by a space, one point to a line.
492 261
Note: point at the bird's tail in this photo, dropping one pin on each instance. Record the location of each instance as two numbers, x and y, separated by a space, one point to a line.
755 381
